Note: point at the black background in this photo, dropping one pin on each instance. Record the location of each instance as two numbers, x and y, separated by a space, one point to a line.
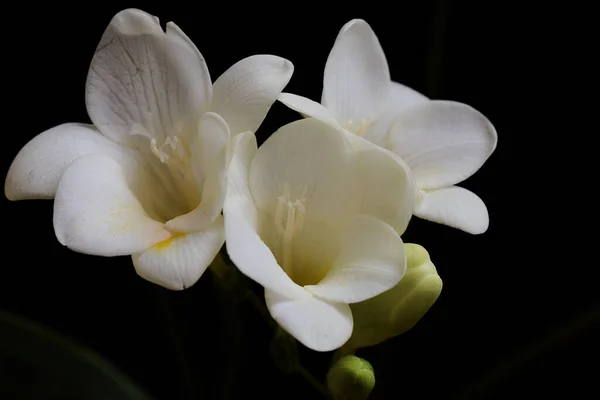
510 321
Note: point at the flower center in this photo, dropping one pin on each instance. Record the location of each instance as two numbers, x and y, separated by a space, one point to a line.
175 190
289 219
357 126
174 152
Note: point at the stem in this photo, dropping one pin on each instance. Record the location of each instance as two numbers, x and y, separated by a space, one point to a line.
314 382
230 277
176 343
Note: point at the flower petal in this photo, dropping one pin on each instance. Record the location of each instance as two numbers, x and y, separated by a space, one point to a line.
39 165
317 324
356 84
143 81
176 34
95 212
401 98
443 142
387 187
400 308
455 207
244 246
177 263
209 155
308 108
307 159
245 92
370 262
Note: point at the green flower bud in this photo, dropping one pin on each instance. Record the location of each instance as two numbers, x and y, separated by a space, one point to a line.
400 308
351 378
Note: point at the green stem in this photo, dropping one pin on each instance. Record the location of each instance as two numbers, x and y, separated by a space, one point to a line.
314 382
231 280
176 342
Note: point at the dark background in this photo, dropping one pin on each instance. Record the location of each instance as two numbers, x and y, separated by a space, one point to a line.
515 317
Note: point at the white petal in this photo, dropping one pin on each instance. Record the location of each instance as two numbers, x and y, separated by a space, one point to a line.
37 168
244 246
317 324
307 159
443 142
96 213
245 92
387 187
209 155
455 207
401 98
143 81
370 262
308 108
178 262
133 21
356 84
243 150
177 35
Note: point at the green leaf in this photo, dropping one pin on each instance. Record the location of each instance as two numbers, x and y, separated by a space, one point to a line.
38 363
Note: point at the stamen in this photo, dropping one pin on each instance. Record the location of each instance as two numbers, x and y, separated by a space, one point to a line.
294 221
157 151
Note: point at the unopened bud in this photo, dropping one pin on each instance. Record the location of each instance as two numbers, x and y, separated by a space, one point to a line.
400 308
351 378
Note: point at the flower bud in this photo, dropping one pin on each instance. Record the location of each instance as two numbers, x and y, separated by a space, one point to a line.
351 378
400 308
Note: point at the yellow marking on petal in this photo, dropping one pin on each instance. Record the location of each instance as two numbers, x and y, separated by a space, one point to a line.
166 243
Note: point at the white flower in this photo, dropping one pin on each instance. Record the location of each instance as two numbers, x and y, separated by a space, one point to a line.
315 217
443 142
148 179
400 308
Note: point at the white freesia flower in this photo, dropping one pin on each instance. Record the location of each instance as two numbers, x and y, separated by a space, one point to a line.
400 308
148 179
443 142
315 217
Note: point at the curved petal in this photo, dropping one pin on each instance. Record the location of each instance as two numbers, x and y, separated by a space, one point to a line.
455 207
95 212
245 92
370 262
401 98
443 142
356 83
177 263
39 165
400 308
387 187
308 108
243 150
209 156
145 82
176 34
244 246
307 159
317 324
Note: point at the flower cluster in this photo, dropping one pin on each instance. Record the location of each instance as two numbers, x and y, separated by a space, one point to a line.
169 171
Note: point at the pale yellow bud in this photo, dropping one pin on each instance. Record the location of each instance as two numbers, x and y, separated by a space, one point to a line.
400 308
